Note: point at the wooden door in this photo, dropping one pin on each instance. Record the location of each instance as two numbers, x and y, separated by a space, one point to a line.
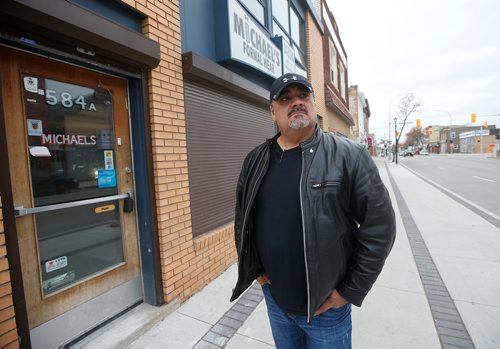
70 163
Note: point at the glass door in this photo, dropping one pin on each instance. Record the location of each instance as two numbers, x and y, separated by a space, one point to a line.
71 151
70 160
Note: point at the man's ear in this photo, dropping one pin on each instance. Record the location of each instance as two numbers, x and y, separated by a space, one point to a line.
272 112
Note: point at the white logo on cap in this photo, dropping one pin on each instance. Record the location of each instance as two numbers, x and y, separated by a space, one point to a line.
286 79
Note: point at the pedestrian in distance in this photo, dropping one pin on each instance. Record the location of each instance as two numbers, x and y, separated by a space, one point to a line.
313 223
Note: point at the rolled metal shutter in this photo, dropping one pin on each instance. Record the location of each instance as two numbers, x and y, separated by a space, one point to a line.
221 130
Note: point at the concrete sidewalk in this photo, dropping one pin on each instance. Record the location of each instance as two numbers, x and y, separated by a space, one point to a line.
440 290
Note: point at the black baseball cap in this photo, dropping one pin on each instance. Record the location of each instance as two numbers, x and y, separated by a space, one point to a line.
286 80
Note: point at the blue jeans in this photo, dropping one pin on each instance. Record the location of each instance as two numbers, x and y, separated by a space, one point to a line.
331 329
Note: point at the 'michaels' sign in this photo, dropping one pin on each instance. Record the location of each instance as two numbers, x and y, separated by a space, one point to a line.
240 39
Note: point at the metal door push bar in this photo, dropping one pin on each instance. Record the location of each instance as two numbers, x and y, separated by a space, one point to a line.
22 211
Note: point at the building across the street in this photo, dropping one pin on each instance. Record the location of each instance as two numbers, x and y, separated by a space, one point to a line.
479 141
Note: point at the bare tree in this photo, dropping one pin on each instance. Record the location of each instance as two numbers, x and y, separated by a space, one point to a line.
407 105
414 137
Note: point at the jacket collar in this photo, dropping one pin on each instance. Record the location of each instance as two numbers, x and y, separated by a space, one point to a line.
310 142
314 139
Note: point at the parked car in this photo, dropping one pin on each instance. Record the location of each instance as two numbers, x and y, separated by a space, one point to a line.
424 152
406 153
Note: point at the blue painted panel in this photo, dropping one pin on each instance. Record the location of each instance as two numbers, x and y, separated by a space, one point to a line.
149 262
198 27
222 30
115 11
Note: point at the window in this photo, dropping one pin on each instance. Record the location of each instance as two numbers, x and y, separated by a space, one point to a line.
296 28
342 81
333 65
288 22
453 135
280 13
75 124
277 30
256 8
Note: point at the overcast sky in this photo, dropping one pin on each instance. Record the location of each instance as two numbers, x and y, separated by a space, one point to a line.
447 52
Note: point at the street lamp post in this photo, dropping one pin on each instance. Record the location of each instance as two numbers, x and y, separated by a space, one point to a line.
396 139
390 113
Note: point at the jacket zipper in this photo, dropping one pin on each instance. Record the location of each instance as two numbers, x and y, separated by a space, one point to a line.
325 184
304 238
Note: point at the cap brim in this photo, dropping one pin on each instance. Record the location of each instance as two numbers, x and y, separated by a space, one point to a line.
278 93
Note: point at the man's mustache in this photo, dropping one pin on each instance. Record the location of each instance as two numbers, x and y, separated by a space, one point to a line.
299 109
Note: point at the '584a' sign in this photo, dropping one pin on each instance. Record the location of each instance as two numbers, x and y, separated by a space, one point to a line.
63 94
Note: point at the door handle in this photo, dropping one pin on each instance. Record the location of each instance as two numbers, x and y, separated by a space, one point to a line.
23 211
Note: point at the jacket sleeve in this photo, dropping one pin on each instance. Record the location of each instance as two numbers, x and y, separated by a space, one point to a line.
372 210
238 214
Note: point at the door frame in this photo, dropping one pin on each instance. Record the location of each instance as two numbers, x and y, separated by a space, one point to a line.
10 231
145 204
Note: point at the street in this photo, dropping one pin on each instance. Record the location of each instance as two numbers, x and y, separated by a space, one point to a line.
473 177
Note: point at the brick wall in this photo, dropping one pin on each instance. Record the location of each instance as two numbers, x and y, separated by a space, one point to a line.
8 331
353 108
315 66
187 264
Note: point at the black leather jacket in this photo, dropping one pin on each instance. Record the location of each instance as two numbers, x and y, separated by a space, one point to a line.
348 221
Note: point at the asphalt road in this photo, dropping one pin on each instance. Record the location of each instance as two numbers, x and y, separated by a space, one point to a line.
476 178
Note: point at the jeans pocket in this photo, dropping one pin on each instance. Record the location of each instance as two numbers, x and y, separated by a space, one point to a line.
338 314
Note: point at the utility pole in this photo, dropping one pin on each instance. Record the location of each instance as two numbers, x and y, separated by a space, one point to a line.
396 140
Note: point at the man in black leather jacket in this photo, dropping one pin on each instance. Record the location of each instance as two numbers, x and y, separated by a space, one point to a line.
313 223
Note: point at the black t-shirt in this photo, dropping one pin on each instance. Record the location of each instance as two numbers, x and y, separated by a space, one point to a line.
278 227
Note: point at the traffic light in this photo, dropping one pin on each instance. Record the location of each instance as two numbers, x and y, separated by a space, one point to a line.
486 124
473 117
429 130
418 123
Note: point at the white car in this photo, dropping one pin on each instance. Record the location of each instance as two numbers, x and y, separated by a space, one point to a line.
424 152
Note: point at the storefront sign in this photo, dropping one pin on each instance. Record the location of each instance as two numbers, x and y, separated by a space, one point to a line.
474 133
249 44
287 56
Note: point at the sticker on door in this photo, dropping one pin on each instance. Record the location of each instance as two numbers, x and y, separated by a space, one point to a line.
55 264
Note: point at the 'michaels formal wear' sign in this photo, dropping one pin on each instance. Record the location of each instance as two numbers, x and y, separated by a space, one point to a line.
240 38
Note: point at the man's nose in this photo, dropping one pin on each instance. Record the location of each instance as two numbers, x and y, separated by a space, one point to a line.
296 101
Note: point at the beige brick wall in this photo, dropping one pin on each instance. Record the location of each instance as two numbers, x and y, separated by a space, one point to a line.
8 330
315 66
187 264
353 109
